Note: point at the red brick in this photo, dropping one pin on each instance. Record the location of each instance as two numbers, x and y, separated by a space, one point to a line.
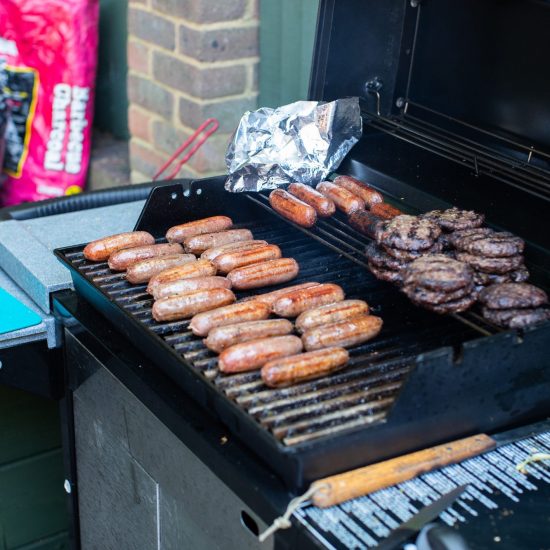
152 28
202 11
139 123
151 96
219 44
138 57
145 160
205 83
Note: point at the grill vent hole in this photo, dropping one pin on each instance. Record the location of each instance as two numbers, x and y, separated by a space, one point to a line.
248 521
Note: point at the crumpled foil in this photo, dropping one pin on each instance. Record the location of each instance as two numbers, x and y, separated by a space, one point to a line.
301 142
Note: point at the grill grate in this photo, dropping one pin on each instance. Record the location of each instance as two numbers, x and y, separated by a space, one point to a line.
360 395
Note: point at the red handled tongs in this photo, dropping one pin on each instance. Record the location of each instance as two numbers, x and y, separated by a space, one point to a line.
195 141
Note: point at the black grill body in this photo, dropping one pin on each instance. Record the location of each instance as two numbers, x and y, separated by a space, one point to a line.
425 379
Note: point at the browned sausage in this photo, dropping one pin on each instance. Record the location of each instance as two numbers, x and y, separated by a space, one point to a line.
331 313
198 268
183 306
256 353
212 253
385 211
269 273
287 371
294 303
203 323
141 272
122 259
100 250
187 285
270 298
347 333
228 261
292 209
220 338
178 233
322 205
344 199
365 192
365 222
200 243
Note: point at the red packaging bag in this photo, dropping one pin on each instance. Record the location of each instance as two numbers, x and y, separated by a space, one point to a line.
50 51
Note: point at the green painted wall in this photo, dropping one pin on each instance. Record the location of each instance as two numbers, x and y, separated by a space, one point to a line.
287 32
33 512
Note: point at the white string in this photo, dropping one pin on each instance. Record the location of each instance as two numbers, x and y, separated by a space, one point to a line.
283 522
536 457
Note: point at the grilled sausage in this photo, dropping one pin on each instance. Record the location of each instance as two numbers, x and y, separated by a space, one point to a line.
365 222
345 334
101 249
203 323
273 272
178 233
232 260
270 298
256 353
344 199
322 205
220 338
142 271
385 211
294 303
183 306
365 192
331 313
213 253
198 268
122 259
292 209
187 285
200 243
287 371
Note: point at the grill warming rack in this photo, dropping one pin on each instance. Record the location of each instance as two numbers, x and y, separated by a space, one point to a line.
406 389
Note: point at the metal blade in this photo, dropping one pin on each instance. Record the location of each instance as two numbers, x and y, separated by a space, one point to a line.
424 516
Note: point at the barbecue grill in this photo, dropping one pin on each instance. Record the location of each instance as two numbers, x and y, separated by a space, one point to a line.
427 143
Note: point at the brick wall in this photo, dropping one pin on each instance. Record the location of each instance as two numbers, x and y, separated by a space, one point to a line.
188 60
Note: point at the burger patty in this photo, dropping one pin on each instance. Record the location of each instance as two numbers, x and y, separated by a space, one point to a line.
513 295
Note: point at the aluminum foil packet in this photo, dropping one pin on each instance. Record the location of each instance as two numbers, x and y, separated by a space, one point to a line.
300 142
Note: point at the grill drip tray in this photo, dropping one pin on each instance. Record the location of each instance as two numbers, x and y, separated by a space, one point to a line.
403 390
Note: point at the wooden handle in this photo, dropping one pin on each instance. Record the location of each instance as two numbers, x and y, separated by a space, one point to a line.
363 481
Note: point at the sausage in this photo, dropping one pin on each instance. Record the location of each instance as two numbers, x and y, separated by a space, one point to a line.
122 259
270 298
231 260
322 205
344 199
187 285
212 253
294 303
256 353
200 243
178 233
143 271
345 334
198 268
101 249
365 222
331 313
287 371
183 306
365 192
203 323
385 211
292 209
273 272
220 338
